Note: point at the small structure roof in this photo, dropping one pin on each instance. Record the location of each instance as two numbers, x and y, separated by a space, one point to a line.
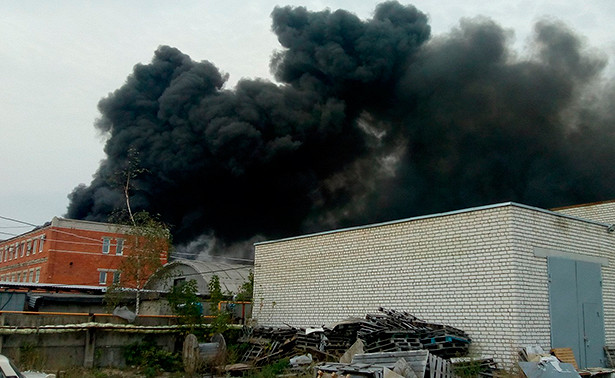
232 276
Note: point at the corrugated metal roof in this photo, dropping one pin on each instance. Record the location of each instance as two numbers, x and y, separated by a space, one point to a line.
231 275
52 286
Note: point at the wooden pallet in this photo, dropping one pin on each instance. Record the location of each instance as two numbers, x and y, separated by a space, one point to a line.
565 355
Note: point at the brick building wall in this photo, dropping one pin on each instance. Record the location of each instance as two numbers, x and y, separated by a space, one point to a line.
598 211
69 252
475 269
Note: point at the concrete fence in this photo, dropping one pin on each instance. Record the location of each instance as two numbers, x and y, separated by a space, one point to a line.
63 340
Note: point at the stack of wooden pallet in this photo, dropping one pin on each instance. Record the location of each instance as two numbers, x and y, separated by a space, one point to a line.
392 331
386 331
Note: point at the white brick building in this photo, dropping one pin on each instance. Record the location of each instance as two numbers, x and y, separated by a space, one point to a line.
490 271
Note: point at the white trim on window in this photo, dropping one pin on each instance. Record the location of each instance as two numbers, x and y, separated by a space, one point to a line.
106 246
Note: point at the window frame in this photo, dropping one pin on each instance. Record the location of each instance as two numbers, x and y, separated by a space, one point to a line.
106 245
119 246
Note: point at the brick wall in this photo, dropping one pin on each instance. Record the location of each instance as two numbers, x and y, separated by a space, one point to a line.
24 258
69 252
473 269
599 211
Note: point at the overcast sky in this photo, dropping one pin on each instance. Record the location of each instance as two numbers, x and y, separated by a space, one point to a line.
59 58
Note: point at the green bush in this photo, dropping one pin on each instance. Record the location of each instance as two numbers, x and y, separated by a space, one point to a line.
151 358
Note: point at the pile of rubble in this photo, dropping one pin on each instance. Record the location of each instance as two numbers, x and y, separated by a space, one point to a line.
388 334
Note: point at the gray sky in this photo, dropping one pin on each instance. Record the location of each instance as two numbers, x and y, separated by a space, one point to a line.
59 58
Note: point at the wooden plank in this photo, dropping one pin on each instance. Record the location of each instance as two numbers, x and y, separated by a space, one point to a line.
610 355
565 355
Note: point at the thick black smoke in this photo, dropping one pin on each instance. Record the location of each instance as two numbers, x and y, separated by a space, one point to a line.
373 120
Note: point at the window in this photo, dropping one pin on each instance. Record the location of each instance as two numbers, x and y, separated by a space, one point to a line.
34 245
38 275
18 277
102 278
23 248
106 244
116 277
179 281
16 249
31 275
119 247
29 248
40 244
25 276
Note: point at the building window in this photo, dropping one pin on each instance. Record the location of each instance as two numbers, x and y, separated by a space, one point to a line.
106 244
34 245
116 277
29 248
119 247
25 276
31 275
18 277
16 249
102 278
179 281
37 277
40 243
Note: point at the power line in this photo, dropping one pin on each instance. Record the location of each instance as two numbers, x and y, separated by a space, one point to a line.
18 221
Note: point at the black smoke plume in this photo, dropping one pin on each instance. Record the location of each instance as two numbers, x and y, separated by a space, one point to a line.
370 120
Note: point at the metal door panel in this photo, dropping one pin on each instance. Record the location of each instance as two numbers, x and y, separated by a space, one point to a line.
563 305
575 306
593 327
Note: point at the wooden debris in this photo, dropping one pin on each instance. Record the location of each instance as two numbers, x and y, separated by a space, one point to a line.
610 355
384 332
565 355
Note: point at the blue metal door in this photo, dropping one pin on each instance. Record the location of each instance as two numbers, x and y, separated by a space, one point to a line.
575 302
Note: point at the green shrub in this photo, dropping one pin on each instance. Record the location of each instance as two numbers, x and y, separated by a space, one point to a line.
151 358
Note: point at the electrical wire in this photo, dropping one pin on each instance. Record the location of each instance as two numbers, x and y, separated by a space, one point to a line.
18 221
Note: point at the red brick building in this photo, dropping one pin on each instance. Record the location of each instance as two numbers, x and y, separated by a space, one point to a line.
67 251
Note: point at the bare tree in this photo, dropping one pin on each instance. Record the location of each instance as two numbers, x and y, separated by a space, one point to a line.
148 243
